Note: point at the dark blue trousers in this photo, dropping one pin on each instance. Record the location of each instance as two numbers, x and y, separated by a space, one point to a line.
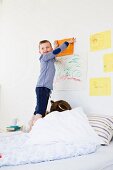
42 96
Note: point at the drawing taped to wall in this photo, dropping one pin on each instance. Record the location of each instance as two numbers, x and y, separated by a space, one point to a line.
69 73
108 62
69 50
100 41
100 86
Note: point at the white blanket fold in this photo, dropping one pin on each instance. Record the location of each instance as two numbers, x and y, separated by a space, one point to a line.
70 126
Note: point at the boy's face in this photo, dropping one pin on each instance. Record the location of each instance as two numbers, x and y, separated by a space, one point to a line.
45 48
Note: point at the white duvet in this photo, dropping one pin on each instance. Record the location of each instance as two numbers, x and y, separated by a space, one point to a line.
69 127
58 135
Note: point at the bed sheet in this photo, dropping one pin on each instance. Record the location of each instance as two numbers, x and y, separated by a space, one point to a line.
102 159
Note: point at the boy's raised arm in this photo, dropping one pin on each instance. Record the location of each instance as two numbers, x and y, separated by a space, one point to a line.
62 47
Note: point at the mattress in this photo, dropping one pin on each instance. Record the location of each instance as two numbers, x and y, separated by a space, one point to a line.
102 159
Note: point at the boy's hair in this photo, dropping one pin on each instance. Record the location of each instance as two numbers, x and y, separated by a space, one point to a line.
44 41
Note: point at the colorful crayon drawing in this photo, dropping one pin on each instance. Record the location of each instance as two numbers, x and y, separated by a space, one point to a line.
68 72
108 62
100 41
69 50
100 86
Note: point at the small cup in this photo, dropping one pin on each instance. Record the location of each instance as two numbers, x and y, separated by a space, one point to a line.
14 122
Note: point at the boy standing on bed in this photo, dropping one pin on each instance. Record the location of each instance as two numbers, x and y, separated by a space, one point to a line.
47 72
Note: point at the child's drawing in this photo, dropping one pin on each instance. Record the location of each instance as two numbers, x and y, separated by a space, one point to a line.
68 68
68 72
100 41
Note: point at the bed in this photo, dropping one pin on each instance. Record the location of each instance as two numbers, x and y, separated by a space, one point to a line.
100 158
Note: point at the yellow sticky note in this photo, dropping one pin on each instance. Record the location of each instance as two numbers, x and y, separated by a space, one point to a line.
100 86
108 62
69 50
100 41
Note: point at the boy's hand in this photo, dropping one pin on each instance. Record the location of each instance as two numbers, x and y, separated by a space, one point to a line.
56 44
71 41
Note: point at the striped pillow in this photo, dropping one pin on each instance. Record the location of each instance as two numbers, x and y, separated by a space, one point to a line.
103 125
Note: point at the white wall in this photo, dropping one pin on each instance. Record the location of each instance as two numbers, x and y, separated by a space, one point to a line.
24 24
0 46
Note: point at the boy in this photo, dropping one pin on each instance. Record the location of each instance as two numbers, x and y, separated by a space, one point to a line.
47 72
